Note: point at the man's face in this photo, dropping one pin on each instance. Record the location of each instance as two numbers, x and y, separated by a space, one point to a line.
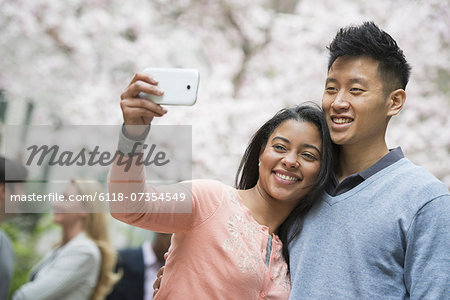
353 102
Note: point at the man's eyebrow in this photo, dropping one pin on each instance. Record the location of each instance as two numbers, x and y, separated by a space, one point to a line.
304 145
359 80
331 79
351 80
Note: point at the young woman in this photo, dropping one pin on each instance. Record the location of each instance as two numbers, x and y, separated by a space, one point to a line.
82 266
234 244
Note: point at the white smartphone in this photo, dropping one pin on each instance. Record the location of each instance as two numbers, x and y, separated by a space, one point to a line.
180 86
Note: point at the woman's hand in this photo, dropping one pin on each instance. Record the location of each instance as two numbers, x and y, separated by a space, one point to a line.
139 111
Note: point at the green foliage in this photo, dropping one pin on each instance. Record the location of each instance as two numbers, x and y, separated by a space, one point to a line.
24 232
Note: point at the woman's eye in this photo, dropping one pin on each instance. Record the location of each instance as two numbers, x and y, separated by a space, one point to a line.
309 156
279 147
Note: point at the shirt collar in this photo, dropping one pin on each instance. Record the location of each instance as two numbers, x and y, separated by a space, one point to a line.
393 156
336 188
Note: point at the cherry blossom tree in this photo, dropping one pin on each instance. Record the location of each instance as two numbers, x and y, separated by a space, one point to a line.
73 58
67 62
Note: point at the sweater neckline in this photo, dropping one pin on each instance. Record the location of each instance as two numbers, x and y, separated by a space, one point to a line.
331 200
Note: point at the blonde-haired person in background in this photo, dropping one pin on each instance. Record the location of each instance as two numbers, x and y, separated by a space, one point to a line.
81 267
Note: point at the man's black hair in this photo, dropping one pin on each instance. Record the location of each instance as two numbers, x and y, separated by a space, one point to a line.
369 40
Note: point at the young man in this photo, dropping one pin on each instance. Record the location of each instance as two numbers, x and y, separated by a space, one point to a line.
382 230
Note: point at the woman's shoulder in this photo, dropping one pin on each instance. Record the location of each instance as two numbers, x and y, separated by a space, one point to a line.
83 244
208 183
210 187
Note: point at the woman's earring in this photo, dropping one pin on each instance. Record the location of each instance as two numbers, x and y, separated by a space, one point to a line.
259 164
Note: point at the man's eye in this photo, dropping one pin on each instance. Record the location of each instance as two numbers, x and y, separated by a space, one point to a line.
356 90
330 89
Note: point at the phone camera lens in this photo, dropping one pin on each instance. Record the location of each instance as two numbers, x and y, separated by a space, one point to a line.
189 87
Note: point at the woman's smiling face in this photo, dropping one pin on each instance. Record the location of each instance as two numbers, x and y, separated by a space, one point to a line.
290 161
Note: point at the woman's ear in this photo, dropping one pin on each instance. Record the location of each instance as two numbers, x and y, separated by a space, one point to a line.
396 101
260 153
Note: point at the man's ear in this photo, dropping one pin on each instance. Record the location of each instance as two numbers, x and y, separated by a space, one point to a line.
396 100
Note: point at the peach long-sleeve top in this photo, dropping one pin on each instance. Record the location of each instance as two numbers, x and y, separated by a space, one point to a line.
218 250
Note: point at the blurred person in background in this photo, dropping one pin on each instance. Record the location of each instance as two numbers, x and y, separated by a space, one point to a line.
139 267
19 173
81 267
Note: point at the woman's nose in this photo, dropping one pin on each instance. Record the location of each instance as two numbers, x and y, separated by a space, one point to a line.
290 160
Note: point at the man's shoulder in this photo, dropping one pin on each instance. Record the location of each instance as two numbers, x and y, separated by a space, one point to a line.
420 176
131 255
412 183
131 259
